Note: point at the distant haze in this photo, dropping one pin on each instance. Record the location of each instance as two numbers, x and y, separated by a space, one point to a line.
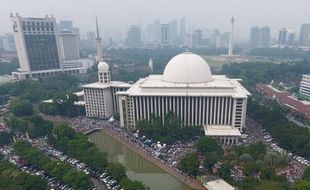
120 14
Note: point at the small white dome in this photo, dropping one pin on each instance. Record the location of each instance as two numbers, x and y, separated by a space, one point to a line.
103 67
187 68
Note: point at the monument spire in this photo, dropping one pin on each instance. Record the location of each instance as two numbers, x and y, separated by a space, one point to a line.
231 39
99 43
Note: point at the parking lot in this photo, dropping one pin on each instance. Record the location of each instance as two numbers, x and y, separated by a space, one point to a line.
105 181
53 184
255 132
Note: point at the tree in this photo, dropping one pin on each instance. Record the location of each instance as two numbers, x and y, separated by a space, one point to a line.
246 157
116 170
41 127
207 145
8 68
224 171
48 108
21 107
301 185
127 184
29 182
210 160
12 178
306 174
169 131
256 149
17 124
190 164
5 138
60 170
78 180
251 169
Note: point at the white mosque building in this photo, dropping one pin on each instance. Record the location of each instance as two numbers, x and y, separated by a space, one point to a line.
187 88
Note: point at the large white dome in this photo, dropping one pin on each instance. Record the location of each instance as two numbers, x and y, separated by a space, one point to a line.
103 67
187 68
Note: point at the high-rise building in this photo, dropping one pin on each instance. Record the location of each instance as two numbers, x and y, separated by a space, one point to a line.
304 88
67 25
8 43
255 37
291 37
213 37
197 39
265 36
37 46
153 32
69 45
282 36
165 34
134 37
304 36
260 37
91 39
222 40
183 30
174 31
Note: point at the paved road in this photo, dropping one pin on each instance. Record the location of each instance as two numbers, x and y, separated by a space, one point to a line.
298 123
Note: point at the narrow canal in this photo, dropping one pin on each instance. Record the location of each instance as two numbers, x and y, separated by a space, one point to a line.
138 168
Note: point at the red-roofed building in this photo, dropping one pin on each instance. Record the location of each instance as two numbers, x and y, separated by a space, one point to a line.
285 99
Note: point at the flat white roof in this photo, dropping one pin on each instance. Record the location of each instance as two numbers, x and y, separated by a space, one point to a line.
221 130
111 84
218 184
80 93
153 85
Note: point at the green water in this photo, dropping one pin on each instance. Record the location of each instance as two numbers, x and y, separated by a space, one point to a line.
138 168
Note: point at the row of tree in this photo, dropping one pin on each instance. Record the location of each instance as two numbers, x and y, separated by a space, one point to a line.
63 105
8 68
40 89
5 138
76 145
264 72
168 130
281 53
36 126
12 178
60 170
286 133
258 167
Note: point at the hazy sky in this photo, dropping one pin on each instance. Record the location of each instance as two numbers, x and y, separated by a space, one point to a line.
200 13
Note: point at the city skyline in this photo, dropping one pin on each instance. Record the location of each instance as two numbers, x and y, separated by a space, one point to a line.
206 15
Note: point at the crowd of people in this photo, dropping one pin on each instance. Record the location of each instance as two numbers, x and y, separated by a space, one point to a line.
253 130
84 124
295 171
